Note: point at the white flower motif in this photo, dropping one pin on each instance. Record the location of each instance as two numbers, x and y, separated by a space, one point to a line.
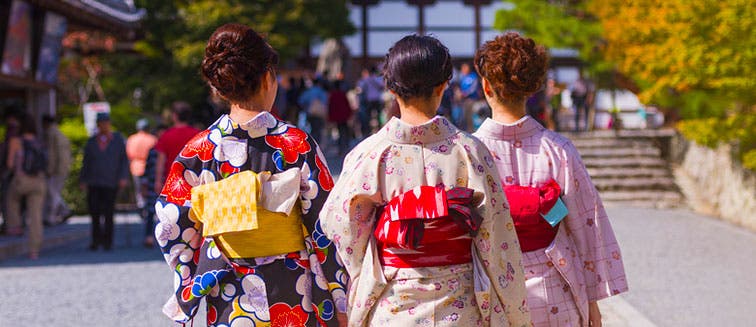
189 236
229 291
254 298
167 229
304 288
230 149
183 272
259 125
225 124
213 252
183 252
205 177
243 321
317 270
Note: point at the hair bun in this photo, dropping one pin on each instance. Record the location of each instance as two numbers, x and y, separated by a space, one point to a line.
236 59
515 66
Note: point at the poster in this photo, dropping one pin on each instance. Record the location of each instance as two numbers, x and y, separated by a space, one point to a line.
91 110
49 52
17 53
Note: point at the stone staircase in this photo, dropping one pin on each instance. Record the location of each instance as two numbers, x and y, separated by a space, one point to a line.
629 168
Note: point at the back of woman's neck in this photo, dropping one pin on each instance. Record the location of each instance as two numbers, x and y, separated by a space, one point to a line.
242 115
416 112
508 113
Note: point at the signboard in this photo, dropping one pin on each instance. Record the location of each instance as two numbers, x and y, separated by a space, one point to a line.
49 52
91 110
17 53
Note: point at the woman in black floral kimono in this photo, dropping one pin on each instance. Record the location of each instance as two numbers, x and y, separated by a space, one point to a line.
239 211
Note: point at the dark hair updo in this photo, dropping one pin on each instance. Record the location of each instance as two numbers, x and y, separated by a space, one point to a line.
236 59
514 65
415 65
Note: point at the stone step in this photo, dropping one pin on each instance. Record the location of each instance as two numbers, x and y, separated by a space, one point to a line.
645 162
613 172
619 152
609 143
640 184
619 196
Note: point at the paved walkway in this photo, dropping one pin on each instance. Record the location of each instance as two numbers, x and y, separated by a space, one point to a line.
684 269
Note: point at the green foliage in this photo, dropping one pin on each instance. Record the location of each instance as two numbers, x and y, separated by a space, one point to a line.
691 54
73 129
560 24
738 129
166 65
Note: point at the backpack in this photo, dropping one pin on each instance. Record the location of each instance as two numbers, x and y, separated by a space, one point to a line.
317 108
35 157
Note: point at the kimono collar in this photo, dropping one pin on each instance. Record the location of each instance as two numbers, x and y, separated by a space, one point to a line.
432 131
520 129
258 126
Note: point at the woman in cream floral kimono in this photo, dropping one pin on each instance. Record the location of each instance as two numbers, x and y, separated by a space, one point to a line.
239 211
570 254
418 216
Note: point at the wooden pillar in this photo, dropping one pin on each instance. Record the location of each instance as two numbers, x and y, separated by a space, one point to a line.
364 4
477 4
364 34
421 13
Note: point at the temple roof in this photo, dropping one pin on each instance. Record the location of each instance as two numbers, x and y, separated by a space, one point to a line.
118 16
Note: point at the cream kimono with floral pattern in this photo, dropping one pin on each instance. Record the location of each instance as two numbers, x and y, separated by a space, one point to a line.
488 292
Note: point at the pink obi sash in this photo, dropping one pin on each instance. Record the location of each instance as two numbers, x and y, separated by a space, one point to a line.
528 206
427 227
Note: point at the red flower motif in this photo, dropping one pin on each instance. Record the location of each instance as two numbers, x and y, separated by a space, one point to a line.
200 146
282 315
226 169
212 315
324 176
186 294
177 190
292 143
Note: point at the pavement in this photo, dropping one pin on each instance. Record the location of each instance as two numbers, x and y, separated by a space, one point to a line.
684 269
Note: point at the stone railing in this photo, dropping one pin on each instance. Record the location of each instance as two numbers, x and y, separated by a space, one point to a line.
714 183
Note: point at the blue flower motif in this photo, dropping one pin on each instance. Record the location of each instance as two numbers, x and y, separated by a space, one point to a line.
205 282
321 240
278 159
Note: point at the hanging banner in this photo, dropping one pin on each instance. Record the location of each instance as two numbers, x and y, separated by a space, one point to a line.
91 110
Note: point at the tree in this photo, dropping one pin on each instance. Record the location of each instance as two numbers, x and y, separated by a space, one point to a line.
695 55
164 65
558 24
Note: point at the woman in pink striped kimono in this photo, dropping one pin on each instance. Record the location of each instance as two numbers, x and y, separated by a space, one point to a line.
570 255
418 215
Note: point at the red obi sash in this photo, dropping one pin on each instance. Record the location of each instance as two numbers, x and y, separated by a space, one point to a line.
427 227
527 206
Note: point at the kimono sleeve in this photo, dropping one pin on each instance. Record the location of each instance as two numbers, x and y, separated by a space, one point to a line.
180 238
591 231
496 247
348 216
326 266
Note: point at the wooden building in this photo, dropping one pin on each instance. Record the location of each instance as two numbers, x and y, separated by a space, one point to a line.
31 34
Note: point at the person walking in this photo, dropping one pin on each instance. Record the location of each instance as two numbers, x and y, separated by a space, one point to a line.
570 254
314 100
371 99
173 140
27 159
138 146
579 91
239 211
420 220
469 87
104 171
58 167
339 112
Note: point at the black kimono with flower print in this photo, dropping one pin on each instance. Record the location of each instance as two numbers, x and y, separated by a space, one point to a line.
304 288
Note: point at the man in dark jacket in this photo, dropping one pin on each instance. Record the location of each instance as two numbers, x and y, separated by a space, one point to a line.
105 169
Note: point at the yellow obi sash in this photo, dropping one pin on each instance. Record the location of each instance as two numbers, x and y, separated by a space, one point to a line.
244 225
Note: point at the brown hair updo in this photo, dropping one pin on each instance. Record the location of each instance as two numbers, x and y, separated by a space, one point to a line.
514 65
236 59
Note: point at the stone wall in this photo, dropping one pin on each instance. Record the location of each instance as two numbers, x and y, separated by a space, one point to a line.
714 183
